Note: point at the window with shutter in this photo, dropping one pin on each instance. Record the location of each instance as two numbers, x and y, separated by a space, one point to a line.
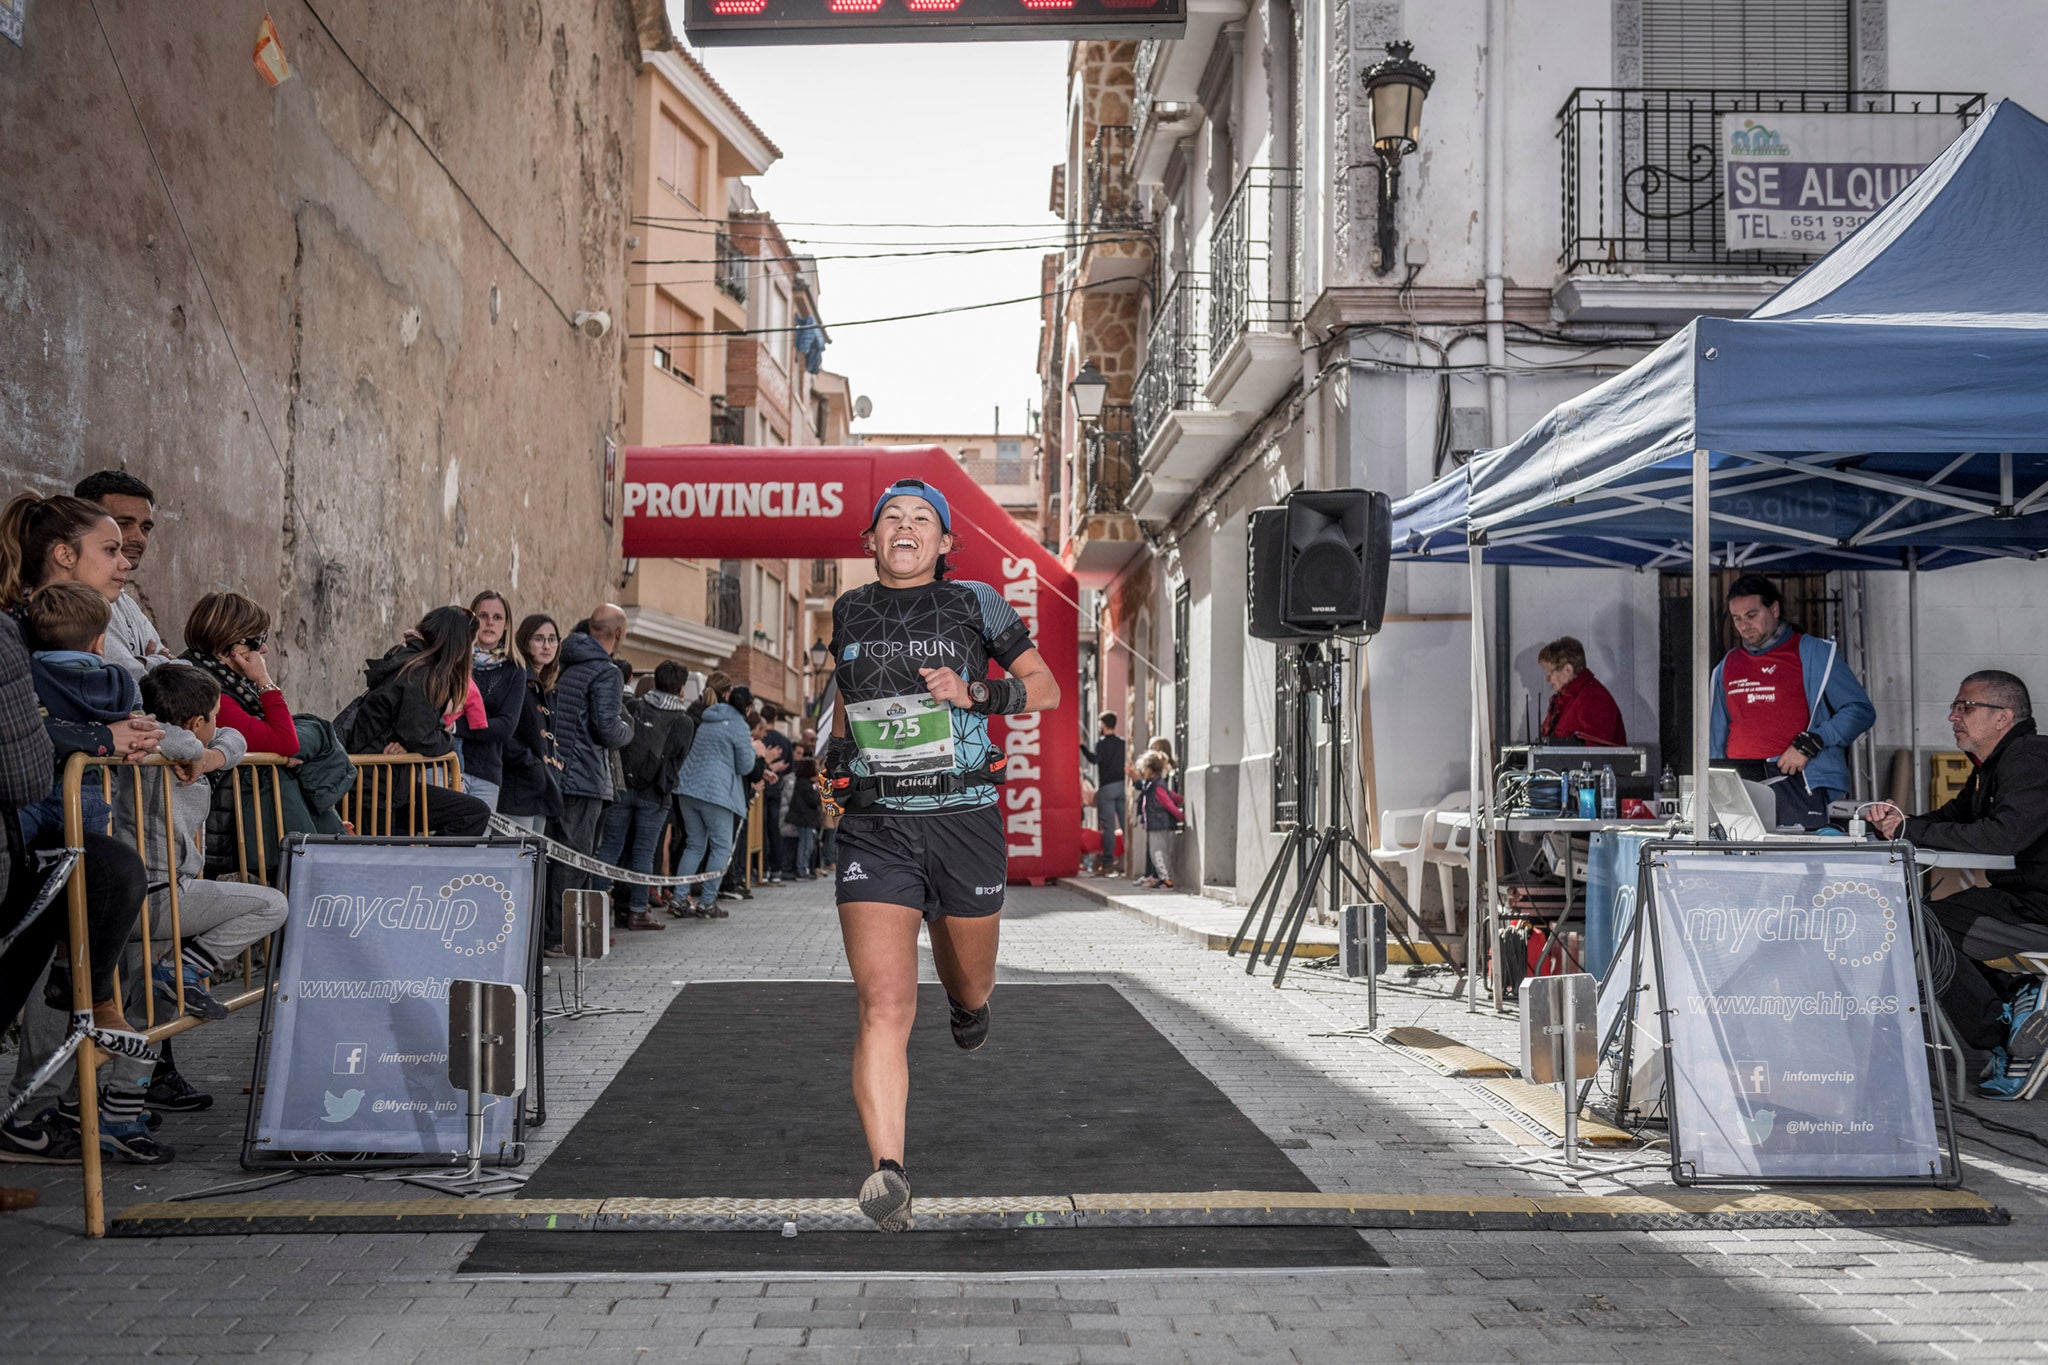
1746 44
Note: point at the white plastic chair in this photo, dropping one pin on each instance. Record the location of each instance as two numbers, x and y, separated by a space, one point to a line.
1448 847
1402 841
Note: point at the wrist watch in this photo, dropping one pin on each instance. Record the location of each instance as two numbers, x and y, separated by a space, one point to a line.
977 692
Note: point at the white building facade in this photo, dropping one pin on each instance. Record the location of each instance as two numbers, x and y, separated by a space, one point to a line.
1559 216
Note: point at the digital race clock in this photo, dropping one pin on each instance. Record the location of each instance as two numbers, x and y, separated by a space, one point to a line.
712 23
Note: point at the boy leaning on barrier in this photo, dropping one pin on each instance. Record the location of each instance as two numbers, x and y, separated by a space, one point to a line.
217 919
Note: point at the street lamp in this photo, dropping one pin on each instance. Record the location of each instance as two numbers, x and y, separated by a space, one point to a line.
1395 88
1089 389
821 655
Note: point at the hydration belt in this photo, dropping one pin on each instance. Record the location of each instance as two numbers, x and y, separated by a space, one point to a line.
853 793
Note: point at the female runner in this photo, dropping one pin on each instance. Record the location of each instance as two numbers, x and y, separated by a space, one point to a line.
909 762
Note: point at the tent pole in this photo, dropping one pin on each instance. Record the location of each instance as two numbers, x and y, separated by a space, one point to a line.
1482 813
1478 794
1702 666
1914 793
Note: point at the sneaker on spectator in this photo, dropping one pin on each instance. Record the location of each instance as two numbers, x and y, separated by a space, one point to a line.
197 1002
2026 1024
2005 1078
131 1140
43 1140
170 1091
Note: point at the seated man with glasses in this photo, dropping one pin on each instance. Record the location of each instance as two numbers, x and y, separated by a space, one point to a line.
2002 809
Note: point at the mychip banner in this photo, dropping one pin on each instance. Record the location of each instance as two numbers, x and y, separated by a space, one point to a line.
1798 1043
357 1057
1802 182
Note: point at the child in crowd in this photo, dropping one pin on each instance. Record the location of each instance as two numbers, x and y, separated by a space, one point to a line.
74 683
216 919
806 814
1158 815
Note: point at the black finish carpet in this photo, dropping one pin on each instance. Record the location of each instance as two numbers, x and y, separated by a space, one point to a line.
741 1089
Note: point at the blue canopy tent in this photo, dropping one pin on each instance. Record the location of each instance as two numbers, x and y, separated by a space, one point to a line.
1887 409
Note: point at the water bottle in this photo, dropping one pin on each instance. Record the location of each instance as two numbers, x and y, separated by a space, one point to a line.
1610 808
1588 790
1667 793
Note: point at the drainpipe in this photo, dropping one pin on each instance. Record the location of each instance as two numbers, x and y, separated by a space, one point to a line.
1496 221
1314 84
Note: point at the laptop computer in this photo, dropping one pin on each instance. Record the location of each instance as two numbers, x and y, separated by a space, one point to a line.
1737 804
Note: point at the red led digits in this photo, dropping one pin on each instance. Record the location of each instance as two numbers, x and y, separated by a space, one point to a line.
853 6
1048 4
738 6
933 6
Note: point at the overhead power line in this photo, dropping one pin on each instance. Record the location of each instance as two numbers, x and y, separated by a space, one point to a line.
870 322
1049 245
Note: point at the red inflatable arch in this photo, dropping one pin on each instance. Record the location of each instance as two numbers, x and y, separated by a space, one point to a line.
742 502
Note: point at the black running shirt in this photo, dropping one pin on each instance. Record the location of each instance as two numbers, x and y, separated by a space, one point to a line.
881 637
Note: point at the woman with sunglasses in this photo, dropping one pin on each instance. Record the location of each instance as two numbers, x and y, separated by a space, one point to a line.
416 689
229 637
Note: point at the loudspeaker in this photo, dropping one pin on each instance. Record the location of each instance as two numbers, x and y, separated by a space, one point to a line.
1317 565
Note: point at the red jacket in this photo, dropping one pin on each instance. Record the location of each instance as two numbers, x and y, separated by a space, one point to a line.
270 733
1584 710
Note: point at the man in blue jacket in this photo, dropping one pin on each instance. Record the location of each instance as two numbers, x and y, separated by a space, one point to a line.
589 722
1786 706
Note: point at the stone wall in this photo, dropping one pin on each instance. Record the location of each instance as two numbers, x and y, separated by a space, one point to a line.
353 385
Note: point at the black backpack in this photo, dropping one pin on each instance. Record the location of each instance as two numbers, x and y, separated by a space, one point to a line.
652 759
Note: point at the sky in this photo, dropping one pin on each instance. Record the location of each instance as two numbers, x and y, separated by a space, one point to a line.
934 134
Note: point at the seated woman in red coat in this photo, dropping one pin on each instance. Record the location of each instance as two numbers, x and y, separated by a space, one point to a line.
229 637
1583 711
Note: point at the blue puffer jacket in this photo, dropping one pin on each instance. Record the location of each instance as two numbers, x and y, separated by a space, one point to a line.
719 760
590 717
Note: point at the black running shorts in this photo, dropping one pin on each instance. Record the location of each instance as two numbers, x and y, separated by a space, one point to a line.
948 862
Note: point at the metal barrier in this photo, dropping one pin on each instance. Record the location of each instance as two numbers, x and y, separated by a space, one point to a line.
374 806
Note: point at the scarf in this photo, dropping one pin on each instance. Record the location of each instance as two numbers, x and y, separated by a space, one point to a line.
245 693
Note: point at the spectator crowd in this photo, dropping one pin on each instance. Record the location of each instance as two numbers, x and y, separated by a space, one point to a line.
657 773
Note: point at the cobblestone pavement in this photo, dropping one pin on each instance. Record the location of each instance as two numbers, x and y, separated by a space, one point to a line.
1355 1115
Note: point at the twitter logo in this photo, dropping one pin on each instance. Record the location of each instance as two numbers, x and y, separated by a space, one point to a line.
341 1108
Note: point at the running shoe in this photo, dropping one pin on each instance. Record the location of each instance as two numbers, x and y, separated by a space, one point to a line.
197 1002
970 1027
131 1140
2027 1025
885 1197
42 1140
170 1090
2004 1078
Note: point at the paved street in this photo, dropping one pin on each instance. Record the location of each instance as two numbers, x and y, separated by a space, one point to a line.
1355 1115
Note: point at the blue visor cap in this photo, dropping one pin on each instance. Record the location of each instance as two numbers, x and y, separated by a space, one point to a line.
913 488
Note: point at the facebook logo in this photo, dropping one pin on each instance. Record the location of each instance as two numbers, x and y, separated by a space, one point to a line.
349 1059
1752 1078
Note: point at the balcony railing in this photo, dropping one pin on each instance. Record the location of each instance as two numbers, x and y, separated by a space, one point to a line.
722 601
1176 357
728 426
1149 52
1113 197
1112 460
1642 172
730 274
1251 284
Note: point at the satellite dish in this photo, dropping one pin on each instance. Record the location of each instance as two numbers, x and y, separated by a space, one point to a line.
863 407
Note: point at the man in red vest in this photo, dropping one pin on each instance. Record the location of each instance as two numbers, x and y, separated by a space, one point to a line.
1786 706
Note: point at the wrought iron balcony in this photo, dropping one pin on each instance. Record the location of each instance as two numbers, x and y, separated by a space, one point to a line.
1176 357
1113 197
1112 460
728 426
730 274
1251 276
1149 51
1642 173
722 601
